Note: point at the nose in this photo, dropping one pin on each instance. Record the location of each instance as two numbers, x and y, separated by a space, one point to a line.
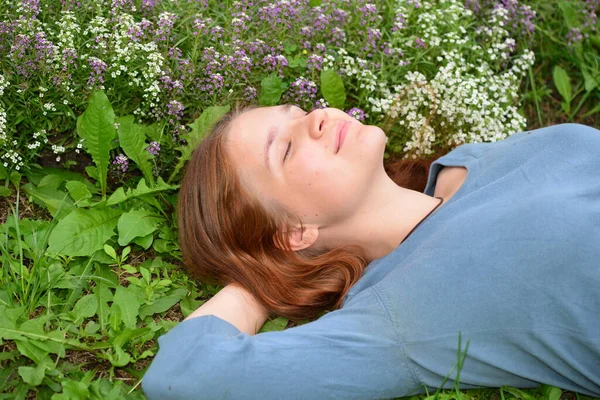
318 122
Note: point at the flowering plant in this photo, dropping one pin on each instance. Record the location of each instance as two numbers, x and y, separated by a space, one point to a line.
430 72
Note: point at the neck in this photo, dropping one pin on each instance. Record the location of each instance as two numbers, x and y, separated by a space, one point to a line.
383 221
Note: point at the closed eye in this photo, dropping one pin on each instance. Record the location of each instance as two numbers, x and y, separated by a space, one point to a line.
287 151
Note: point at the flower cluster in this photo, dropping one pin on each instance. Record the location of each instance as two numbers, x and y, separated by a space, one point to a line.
357 113
122 162
153 148
466 100
150 60
302 91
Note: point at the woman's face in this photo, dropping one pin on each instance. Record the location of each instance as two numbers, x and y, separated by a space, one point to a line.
315 181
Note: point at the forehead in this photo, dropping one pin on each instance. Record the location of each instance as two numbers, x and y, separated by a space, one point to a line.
248 134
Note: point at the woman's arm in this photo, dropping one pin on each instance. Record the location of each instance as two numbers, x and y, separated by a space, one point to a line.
236 306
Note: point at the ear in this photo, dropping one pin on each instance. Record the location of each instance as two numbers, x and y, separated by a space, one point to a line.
300 240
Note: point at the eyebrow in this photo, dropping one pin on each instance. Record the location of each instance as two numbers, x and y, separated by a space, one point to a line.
272 134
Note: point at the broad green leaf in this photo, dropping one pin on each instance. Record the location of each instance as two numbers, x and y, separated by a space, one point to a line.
315 3
277 324
200 128
104 295
562 83
4 191
137 223
85 307
115 319
132 141
272 87
163 303
92 172
36 175
33 375
333 89
32 349
52 180
97 126
72 390
52 198
8 322
83 232
78 191
129 304
144 242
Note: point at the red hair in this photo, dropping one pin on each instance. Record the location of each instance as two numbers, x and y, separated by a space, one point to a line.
228 236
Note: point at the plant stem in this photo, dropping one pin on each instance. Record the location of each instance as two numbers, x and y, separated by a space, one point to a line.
537 105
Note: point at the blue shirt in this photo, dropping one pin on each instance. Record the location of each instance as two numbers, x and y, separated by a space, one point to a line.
511 262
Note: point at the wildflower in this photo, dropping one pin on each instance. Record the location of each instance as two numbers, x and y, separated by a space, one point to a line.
153 148
121 161
357 113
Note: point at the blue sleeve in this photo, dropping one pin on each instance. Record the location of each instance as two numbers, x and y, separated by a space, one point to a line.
350 353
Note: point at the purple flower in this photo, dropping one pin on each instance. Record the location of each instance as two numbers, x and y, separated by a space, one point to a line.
419 43
356 113
301 91
153 148
122 161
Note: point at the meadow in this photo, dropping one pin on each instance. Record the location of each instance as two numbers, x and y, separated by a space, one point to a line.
102 102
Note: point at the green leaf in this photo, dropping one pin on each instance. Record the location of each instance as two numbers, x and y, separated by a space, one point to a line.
163 303
4 191
85 307
72 390
92 172
297 62
142 189
562 83
569 13
274 325
97 126
129 304
115 318
35 375
333 89
590 83
144 242
272 87
110 251
104 295
200 128
137 223
315 3
52 198
83 232
132 141
289 48
78 191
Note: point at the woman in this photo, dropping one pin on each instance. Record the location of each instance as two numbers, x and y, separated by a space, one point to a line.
500 249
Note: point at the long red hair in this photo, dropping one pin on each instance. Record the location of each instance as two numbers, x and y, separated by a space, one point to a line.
228 237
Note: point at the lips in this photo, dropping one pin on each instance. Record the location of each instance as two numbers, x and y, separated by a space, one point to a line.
341 134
